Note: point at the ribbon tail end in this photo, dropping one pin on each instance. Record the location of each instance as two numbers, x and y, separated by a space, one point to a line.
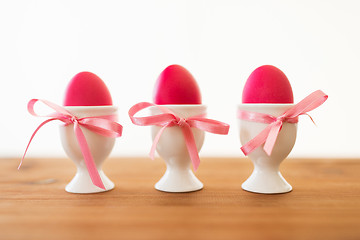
98 182
20 164
101 186
268 151
151 155
196 163
244 152
196 166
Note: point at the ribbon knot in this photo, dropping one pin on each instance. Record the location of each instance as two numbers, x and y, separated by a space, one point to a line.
182 122
269 135
281 119
168 119
72 119
103 125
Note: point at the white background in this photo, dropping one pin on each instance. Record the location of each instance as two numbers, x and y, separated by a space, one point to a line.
43 44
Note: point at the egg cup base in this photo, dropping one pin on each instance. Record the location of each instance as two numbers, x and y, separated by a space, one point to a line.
82 183
266 183
179 181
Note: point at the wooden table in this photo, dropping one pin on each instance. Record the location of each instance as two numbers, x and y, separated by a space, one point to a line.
325 202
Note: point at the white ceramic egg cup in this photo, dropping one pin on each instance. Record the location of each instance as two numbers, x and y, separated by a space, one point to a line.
172 148
100 147
266 177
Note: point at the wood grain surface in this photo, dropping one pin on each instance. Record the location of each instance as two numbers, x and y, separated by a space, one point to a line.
324 203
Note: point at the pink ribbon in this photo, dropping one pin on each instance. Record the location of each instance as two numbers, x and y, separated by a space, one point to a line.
103 125
270 133
169 119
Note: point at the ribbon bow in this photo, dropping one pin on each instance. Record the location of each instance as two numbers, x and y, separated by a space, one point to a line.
270 133
103 125
169 119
